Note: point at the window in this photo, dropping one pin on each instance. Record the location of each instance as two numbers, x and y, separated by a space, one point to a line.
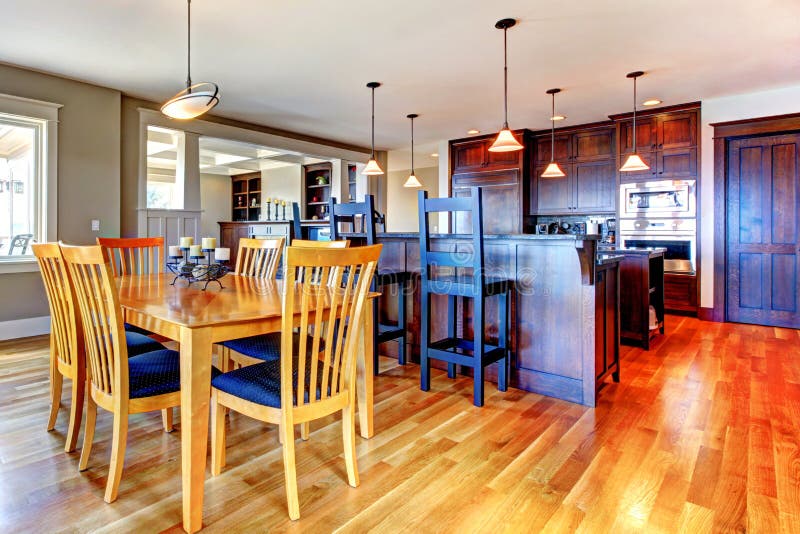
27 177
164 175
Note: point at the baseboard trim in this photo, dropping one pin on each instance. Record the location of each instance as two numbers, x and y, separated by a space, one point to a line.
32 326
707 314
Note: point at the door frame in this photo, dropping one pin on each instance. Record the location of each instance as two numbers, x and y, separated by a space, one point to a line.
724 133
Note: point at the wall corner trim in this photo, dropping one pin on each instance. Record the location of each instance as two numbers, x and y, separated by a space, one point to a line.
31 326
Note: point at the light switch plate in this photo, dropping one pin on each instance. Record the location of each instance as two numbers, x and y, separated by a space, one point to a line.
95 225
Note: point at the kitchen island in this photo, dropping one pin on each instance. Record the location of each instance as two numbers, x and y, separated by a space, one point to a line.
564 332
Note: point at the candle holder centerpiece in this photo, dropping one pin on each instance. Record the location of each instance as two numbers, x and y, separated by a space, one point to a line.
186 262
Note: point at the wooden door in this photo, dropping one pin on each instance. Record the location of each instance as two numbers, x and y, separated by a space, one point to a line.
762 230
677 163
595 185
553 195
468 155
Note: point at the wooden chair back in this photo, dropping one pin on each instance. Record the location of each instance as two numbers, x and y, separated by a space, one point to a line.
259 258
317 273
135 255
101 316
66 331
333 311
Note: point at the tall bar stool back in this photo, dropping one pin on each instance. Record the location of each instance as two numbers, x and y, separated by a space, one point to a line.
456 272
361 216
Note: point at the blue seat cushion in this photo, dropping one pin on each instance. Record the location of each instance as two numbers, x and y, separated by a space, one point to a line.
267 347
156 373
261 383
131 328
139 344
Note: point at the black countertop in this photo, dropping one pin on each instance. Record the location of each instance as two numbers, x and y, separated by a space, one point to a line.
652 252
608 258
489 237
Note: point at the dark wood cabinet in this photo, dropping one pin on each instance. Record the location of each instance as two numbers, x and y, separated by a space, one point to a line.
501 195
246 196
680 293
316 190
473 155
666 141
643 288
606 336
586 156
230 233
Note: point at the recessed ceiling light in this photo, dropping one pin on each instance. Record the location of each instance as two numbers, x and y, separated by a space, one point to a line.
558 117
651 102
473 131
434 155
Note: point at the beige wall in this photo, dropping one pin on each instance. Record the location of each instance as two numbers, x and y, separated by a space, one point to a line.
282 183
215 201
88 171
401 202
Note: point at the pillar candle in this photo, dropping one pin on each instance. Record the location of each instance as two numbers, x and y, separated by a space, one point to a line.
187 242
222 254
194 250
209 243
175 251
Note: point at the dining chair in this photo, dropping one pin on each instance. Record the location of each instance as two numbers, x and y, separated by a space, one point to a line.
259 258
67 355
137 256
304 385
119 384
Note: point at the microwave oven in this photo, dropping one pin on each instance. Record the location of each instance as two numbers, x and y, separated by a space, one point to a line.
663 198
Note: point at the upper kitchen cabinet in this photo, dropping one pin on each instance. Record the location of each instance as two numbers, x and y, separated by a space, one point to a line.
586 155
503 176
666 140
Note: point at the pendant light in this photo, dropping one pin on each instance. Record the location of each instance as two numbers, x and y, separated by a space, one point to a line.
412 180
634 162
196 99
505 141
553 170
372 168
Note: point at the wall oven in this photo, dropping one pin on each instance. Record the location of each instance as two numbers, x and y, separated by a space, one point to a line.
678 236
663 198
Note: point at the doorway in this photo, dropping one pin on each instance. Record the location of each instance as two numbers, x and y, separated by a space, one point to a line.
761 223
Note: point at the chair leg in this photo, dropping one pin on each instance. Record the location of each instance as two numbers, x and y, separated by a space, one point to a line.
478 328
166 419
425 328
451 330
305 428
280 433
56 383
290 470
75 413
401 322
375 352
224 359
477 386
349 435
217 435
119 440
505 363
88 432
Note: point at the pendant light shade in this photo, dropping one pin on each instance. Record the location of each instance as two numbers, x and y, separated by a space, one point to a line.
196 99
372 168
553 170
412 180
634 162
505 142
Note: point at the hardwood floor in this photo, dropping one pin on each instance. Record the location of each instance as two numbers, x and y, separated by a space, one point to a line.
701 435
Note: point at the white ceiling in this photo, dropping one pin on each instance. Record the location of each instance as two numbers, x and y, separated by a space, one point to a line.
302 65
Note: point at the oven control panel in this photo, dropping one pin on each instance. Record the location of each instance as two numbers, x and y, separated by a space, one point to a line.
657 226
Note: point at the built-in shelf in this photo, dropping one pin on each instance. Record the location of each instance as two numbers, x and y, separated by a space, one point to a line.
317 186
317 203
246 187
313 190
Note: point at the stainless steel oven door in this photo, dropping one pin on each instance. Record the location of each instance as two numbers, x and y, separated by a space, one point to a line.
663 198
681 249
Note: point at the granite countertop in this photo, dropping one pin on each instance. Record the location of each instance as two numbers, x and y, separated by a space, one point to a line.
606 258
488 237
652 252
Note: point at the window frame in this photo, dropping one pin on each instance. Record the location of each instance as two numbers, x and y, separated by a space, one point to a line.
45 116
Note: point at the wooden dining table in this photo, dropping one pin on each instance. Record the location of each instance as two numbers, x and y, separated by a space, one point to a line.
198 319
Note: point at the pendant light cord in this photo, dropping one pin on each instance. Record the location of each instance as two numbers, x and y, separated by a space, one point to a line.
412 145
188 43
373 123
553 130
505 78
634 115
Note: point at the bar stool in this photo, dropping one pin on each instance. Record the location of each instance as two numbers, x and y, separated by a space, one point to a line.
297 226
364 212
475 353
